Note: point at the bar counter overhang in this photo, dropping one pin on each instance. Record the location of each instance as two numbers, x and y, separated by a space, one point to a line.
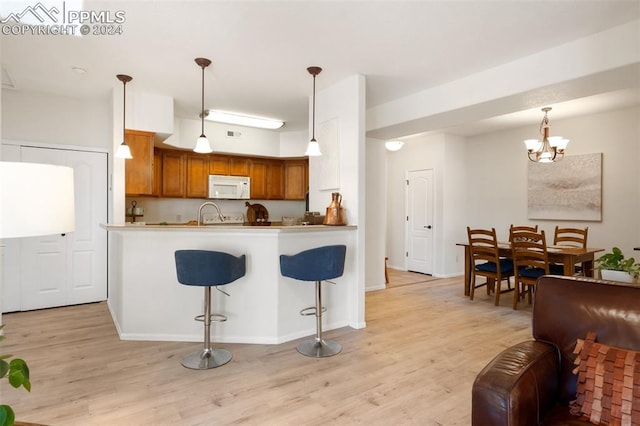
147 302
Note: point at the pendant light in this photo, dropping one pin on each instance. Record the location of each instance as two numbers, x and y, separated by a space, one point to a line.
313 148
202 144
123 150
551 149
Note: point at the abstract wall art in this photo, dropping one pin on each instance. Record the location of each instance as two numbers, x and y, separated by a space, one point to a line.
570 189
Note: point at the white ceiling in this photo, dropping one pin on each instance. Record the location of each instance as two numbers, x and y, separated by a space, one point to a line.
261 49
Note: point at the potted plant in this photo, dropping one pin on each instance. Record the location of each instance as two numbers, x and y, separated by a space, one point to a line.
17 372
614 266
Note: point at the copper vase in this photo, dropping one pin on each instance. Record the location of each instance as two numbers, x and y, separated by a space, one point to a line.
335 213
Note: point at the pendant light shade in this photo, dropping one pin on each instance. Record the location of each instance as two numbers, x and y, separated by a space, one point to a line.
551 149
202 144
313 148
123 150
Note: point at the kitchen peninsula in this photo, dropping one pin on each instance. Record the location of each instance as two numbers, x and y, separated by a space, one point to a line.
147 302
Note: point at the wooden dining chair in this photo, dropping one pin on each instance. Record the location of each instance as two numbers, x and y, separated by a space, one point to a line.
530 261
573 237
486 262
521 228
514 228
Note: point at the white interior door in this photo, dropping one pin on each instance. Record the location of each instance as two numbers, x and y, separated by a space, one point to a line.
420 221
69 269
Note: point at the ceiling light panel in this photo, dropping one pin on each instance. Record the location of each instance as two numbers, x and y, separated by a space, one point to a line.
243 120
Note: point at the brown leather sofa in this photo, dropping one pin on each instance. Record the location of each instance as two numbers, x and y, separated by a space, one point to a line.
532 382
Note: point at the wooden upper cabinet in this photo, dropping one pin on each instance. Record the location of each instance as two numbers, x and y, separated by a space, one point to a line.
296 179
177 173
138 171
239 166
173 173
258 175
157 172
267 179
275 180
197 175
218 165
229 165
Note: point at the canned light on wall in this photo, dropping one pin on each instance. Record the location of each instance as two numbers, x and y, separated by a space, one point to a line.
551 149
123 150
313 148
202 144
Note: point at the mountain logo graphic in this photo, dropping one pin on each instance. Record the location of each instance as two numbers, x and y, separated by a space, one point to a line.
39 11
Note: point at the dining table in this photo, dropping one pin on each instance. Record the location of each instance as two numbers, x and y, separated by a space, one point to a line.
568 256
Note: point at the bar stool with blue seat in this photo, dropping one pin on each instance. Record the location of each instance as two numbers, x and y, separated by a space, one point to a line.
208 269
317 264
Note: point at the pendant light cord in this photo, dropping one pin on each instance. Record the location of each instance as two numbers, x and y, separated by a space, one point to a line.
202 108
313 115
124 111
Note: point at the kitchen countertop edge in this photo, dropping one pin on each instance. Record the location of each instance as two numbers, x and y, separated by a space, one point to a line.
223 228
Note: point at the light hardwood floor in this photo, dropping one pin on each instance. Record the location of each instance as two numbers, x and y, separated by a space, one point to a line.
413 364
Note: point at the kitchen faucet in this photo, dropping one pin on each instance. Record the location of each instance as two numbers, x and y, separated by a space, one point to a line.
209 203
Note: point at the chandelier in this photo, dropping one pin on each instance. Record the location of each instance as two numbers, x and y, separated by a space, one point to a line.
551 149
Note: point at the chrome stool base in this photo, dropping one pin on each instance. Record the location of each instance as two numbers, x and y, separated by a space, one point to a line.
319 349
204 359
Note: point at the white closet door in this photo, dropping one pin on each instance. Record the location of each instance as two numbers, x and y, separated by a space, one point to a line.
69 269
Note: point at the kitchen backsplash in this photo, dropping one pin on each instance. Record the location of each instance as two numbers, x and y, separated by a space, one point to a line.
180 210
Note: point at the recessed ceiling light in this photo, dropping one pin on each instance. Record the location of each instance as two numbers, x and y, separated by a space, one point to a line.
79 70
243 120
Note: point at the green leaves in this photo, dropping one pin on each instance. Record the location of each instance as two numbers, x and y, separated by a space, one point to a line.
615 261
7 416
17 372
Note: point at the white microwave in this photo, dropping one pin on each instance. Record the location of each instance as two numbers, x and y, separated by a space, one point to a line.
229 187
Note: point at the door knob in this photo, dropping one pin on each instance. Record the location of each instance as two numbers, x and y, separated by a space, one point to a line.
428 226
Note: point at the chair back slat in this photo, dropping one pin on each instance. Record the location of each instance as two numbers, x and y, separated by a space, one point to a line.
575 237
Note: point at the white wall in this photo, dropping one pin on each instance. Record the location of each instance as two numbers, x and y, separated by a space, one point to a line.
293 144
616 134
38 117
454 203
251 141
345 101
482 182
376 214
419 153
